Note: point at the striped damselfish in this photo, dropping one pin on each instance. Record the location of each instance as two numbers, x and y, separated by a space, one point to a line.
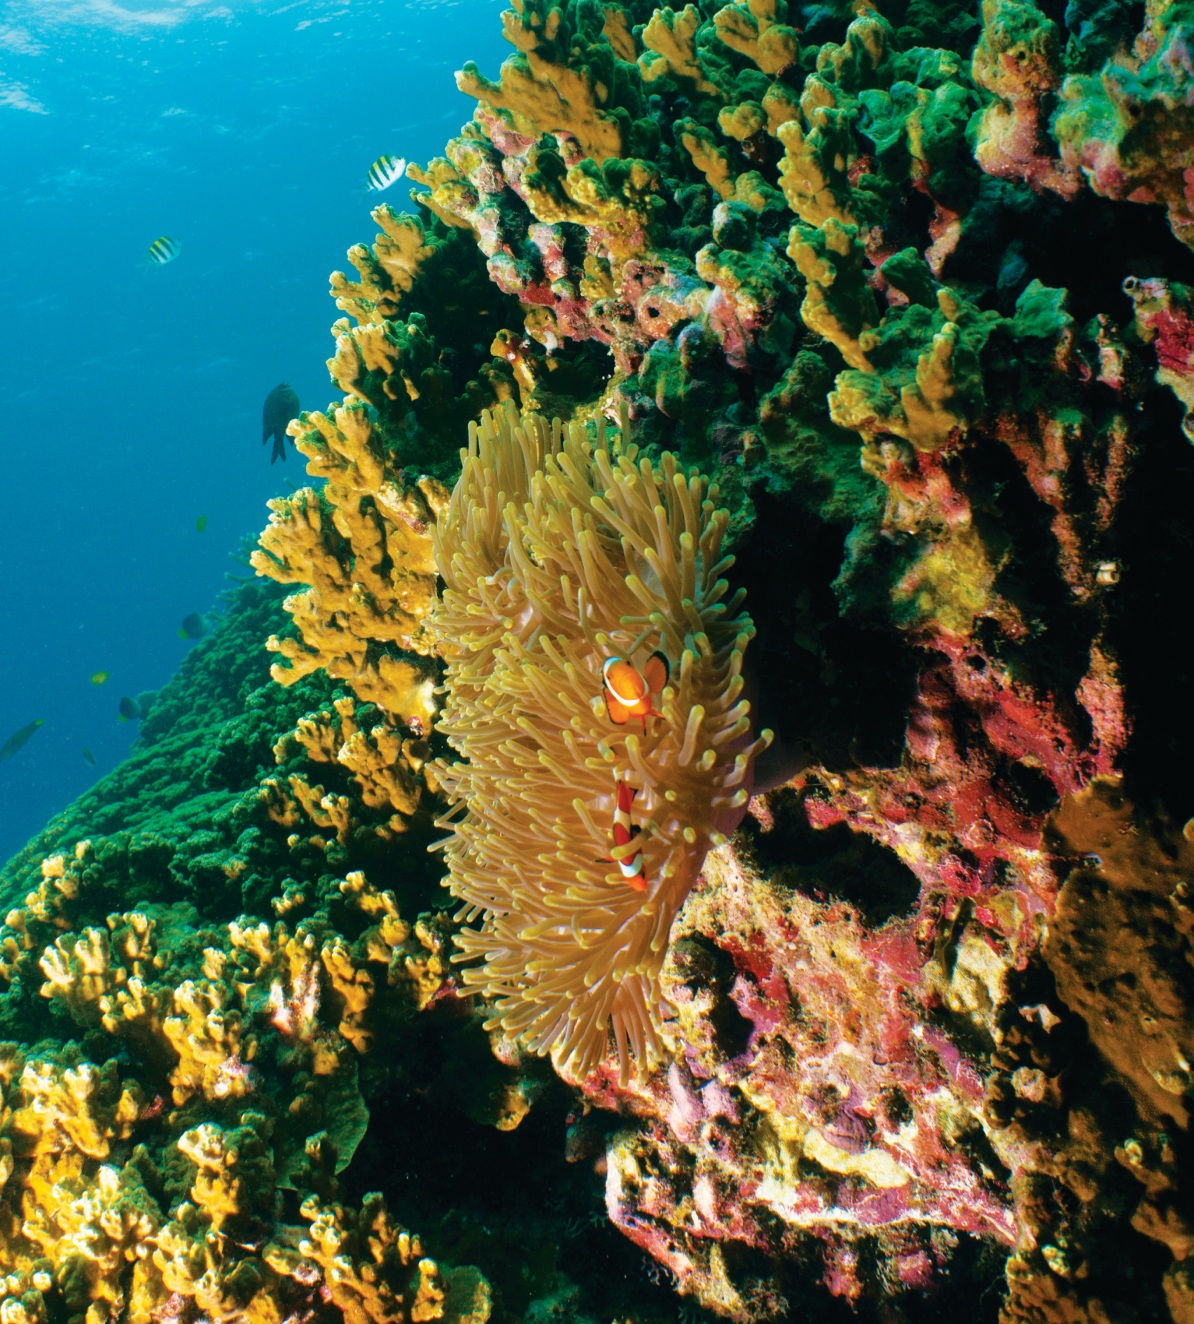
163 250
386 170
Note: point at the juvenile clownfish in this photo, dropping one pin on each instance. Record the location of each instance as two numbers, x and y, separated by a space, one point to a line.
631 866
629 692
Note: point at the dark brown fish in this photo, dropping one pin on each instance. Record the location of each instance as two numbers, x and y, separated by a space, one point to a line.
19 739
281 405
194 626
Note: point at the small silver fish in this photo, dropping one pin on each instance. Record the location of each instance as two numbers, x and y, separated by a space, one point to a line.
163 250
386 170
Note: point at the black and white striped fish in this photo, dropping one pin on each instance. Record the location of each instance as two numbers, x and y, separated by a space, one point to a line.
386 170
163 250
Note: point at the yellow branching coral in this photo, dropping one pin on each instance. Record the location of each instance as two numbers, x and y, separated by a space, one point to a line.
81 1109
327 810
623 204
671 42
537 97
814 171
557 553
838 304
387 268
207 1036
755 29
46 911
88 1229
618 32
393 967
389 767
95 1227
453 187
361 547
709 157
376 1272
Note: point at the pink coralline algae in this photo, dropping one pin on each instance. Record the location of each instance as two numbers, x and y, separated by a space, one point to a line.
811 1100
1165 317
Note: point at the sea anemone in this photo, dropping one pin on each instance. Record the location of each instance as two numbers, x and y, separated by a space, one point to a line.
557 553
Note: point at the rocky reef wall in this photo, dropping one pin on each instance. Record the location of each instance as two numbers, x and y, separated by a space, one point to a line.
900 296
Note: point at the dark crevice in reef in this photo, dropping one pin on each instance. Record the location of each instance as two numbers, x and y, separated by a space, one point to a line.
911 220
472 1191
833 691
710 969
1011 518
1088 247
1150 628
828 862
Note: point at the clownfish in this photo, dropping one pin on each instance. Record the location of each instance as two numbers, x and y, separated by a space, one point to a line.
631 866
629 692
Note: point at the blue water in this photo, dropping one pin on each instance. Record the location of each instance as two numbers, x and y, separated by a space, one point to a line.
131 396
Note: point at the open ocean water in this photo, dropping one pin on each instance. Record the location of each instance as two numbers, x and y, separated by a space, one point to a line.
131 392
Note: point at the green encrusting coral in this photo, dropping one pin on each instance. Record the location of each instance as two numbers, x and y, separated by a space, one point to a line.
192 762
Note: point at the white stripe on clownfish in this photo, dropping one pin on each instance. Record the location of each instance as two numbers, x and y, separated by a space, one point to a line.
631 867
629 692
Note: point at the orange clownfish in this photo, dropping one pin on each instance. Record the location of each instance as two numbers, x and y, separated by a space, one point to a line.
631 866
629 692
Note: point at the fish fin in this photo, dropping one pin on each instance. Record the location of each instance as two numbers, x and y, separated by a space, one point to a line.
656 673
618 713
279 449
637 884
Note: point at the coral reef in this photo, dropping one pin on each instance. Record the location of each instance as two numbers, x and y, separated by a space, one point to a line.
909 286
205 1066
857 272
221 1033
360 546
